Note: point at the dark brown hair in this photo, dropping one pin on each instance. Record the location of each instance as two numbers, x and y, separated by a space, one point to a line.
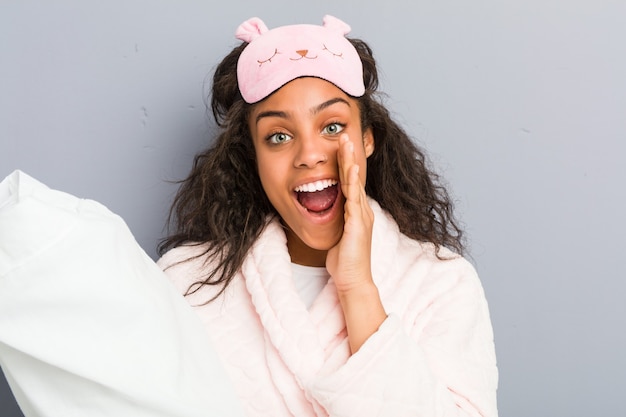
222 204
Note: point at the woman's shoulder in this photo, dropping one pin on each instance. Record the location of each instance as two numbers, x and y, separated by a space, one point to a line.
391 244
184 264
181 254
438 264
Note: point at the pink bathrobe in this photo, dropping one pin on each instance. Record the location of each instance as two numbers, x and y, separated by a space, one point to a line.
433 355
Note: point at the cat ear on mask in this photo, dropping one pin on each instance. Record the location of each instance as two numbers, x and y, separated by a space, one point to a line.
338 25
250 29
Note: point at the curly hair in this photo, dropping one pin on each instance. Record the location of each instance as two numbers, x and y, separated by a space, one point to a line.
222 205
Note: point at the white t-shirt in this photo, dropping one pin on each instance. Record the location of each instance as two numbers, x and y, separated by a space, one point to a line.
309 281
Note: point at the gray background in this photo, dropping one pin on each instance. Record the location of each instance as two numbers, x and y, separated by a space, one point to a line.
521 104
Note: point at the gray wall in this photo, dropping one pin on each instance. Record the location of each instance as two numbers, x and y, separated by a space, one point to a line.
522 105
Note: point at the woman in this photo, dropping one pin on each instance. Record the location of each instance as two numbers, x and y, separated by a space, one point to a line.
319 250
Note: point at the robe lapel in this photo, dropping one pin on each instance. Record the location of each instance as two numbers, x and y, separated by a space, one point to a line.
287 323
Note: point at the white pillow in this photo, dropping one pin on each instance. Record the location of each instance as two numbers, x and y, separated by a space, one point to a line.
89 325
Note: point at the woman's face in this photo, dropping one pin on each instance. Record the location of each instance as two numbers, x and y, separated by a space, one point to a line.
296 136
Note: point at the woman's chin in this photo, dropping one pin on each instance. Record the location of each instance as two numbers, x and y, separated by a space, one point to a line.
311 249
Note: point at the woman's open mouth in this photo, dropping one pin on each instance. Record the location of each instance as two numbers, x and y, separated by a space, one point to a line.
318 196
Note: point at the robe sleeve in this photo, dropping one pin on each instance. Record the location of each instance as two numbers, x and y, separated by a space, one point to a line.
440 362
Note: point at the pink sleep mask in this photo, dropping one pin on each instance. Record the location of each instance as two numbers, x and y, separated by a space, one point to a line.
275 57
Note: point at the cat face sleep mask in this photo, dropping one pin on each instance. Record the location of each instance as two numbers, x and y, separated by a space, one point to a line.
275 57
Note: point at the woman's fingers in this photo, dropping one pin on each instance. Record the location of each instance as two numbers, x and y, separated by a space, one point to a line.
352 187
348 169
345 159
350 259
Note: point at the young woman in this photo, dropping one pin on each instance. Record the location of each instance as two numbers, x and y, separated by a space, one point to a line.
317 247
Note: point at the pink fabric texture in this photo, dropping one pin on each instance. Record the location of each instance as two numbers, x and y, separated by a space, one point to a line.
275 57
433 356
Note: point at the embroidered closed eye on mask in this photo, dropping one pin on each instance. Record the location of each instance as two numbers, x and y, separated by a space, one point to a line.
275 57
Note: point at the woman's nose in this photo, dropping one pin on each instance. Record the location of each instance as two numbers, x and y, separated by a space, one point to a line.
310 152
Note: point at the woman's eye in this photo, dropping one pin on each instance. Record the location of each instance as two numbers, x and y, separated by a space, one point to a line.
333 129
278 138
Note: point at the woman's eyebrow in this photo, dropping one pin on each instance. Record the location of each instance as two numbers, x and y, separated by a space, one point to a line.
271 113
328 103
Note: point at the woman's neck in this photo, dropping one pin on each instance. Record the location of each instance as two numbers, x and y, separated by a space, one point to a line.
302 254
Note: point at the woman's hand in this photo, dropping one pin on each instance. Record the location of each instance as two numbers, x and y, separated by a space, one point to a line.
349 262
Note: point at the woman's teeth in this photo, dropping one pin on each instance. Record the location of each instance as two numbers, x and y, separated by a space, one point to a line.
315 186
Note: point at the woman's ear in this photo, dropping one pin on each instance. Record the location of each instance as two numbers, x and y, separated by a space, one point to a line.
368 142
